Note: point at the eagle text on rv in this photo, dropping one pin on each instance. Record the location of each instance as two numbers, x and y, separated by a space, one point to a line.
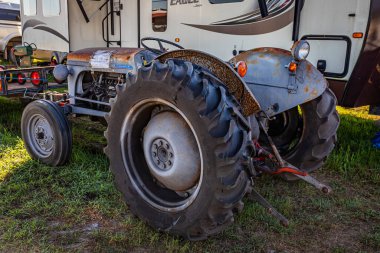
175 2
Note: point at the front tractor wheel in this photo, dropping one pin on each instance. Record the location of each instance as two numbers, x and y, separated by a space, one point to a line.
307 134
175 149
46 133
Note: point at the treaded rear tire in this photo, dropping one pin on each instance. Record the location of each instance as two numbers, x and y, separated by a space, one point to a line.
319 134
217 125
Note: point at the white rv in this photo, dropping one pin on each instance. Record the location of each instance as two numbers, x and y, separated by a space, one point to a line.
340 31
10 27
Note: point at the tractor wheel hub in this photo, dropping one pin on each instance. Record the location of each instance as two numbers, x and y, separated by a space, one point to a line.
171 151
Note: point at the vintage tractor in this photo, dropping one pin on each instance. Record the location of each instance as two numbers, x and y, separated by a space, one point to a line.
188 134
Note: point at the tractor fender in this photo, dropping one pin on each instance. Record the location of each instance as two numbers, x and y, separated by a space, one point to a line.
221 70
274 86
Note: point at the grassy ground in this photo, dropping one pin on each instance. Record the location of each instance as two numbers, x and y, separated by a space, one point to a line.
76 207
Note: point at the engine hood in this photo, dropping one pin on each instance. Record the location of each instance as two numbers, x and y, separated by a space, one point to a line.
108 59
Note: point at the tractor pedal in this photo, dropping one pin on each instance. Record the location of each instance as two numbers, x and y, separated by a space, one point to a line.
255 196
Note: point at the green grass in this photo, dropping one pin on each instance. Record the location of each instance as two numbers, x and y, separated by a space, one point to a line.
76 207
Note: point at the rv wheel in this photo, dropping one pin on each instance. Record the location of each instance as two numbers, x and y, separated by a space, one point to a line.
175 149
46 133
306 135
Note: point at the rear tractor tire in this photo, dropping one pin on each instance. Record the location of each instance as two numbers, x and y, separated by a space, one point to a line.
175 149
46 133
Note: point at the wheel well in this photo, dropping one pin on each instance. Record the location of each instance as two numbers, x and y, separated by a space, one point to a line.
14 40
11 43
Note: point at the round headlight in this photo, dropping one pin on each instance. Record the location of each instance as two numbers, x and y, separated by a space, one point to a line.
300 50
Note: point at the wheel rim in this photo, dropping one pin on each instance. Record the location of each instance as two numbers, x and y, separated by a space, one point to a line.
40 136
278 125
287 130
151 160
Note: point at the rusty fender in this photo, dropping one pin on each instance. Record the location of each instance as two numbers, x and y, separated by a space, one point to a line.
224 72
273 85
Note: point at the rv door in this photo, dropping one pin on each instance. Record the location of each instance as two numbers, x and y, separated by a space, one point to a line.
45 23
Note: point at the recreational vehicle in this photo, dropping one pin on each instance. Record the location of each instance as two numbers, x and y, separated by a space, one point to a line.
344 34
10 27
201 97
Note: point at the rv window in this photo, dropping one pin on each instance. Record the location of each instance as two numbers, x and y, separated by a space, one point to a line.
159 15
9 15
51 8
30 7
224 1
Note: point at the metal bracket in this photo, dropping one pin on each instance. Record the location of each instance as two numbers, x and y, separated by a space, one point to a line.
292 86
80 4
317 184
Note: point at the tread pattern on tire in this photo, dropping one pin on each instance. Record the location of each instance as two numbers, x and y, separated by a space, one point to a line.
324 137
216 108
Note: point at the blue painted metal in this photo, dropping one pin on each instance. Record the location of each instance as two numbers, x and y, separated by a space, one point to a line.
274 86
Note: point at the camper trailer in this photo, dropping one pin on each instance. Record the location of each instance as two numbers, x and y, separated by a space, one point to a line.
200 97
10 27
343 34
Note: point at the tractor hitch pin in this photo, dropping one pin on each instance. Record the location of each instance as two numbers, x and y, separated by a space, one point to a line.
255 196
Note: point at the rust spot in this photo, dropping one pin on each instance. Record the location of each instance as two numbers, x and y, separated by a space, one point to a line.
306 88
309 68
252 62
121 55
271 50
314 93
261 55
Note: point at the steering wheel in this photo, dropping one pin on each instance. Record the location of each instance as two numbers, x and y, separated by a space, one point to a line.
160 44
31 45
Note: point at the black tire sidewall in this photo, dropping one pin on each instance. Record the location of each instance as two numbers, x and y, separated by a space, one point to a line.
180 97
298 156
60 128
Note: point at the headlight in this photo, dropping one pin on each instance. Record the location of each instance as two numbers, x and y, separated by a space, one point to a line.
300 50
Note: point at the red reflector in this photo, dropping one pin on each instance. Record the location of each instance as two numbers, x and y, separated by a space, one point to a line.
35 78
21 78
357 35
242 68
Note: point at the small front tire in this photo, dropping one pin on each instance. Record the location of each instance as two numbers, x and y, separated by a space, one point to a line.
46 133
